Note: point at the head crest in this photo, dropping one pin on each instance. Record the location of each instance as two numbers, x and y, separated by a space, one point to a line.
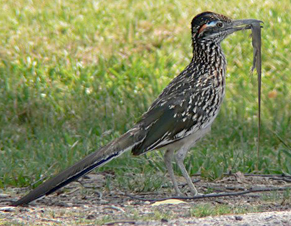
206 17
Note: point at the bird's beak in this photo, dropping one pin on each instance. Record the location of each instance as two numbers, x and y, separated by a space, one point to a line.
238 25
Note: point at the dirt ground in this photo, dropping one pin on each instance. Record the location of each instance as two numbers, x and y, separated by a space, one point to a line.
87 203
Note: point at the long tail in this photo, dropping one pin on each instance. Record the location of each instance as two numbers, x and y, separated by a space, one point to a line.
95 159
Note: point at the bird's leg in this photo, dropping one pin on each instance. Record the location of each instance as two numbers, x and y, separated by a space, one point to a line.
180 156
168 157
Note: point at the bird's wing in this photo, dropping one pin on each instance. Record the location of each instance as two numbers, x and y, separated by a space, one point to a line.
169 120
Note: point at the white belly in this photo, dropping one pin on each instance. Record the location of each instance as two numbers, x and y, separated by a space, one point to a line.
189 141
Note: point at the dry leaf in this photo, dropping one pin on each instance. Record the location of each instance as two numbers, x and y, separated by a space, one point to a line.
168 201
240 177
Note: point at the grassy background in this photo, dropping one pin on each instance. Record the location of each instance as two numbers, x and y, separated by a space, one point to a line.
76 74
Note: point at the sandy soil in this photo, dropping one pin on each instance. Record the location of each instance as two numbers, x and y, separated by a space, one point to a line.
88 203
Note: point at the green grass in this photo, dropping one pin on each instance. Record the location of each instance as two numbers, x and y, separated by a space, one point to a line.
165 212
205 210
76 74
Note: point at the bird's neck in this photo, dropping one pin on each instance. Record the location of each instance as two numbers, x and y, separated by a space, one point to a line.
209 54
211 63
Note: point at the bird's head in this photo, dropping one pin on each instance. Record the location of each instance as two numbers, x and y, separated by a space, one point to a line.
213 27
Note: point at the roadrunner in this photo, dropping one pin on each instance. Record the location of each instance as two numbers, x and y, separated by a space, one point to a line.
181 115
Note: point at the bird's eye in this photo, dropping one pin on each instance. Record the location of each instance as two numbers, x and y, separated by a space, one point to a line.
219 24
210 24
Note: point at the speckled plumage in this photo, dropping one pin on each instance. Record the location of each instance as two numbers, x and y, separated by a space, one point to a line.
192 100
178 118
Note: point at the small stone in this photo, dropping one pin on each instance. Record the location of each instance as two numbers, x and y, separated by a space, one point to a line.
2 195
163 220
7 209
90 217
62 204
238 218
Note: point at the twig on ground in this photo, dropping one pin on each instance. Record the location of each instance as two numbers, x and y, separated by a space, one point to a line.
284 179
252 175
120 222
223 188
225 194
115 208
267 175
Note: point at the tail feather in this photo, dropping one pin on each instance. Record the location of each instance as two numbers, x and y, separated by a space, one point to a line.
93 160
